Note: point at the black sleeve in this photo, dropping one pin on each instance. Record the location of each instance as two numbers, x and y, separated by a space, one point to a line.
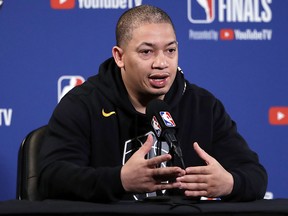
234 154
65 171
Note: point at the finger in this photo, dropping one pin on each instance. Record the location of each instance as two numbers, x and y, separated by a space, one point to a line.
198 170
159 159
166 185
168 172
194 178
193 186
146 147
202 154
196 193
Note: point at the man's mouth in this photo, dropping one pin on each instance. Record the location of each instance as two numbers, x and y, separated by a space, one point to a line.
158 80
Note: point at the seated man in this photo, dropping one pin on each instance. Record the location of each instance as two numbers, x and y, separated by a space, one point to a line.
92 130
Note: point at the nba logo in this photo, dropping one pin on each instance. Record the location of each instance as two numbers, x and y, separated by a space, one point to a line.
66 83
156 126
201 11
167 119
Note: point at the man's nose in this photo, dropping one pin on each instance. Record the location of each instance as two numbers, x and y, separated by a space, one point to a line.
160 61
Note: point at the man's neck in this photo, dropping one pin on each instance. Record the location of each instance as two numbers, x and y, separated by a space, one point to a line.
140 104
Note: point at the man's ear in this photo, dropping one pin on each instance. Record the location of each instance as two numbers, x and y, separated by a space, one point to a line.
117 53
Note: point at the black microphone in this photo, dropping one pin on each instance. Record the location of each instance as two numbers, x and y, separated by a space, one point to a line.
164 126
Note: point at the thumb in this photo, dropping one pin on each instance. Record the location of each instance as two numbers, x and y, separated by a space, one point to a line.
202 154
146 147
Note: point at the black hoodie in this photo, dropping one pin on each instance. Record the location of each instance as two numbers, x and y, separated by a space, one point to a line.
82 155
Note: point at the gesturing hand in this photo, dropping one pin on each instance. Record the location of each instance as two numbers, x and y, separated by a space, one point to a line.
210 181
142 175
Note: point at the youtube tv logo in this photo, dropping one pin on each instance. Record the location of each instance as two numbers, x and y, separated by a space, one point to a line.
227 34
278 115
62 4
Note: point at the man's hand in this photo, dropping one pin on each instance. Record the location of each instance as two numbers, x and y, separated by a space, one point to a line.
209 181
143 175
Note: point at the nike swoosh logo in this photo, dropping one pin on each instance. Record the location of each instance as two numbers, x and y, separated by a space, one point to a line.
108 113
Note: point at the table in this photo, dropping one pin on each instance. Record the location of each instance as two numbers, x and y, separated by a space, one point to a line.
129 208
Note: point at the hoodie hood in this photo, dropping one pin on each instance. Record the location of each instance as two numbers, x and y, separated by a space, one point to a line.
109 82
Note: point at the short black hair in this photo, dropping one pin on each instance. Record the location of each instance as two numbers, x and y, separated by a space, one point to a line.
137 16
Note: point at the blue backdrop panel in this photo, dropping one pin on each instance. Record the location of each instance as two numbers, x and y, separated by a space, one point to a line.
237 49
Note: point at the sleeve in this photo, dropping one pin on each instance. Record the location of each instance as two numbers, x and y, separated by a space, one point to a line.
65 171
234 154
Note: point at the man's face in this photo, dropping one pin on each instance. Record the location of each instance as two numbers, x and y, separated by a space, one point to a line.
150 60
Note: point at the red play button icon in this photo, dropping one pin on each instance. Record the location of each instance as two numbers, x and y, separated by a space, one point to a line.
278 115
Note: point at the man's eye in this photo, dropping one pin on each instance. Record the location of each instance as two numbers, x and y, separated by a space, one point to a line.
145 52
172 50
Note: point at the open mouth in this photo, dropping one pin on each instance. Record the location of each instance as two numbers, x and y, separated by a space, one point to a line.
158 80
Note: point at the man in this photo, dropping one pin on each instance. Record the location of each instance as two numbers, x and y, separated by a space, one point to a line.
94 124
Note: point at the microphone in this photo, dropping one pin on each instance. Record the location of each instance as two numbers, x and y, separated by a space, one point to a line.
164 126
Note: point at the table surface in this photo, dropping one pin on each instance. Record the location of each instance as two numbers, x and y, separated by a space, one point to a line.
159 207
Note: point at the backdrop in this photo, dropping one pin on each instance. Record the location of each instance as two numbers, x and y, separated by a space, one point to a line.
236 49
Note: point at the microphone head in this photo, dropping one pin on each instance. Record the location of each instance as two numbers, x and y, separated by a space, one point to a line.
158 113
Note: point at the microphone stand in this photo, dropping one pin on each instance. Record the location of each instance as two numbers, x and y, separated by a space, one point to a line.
158 153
